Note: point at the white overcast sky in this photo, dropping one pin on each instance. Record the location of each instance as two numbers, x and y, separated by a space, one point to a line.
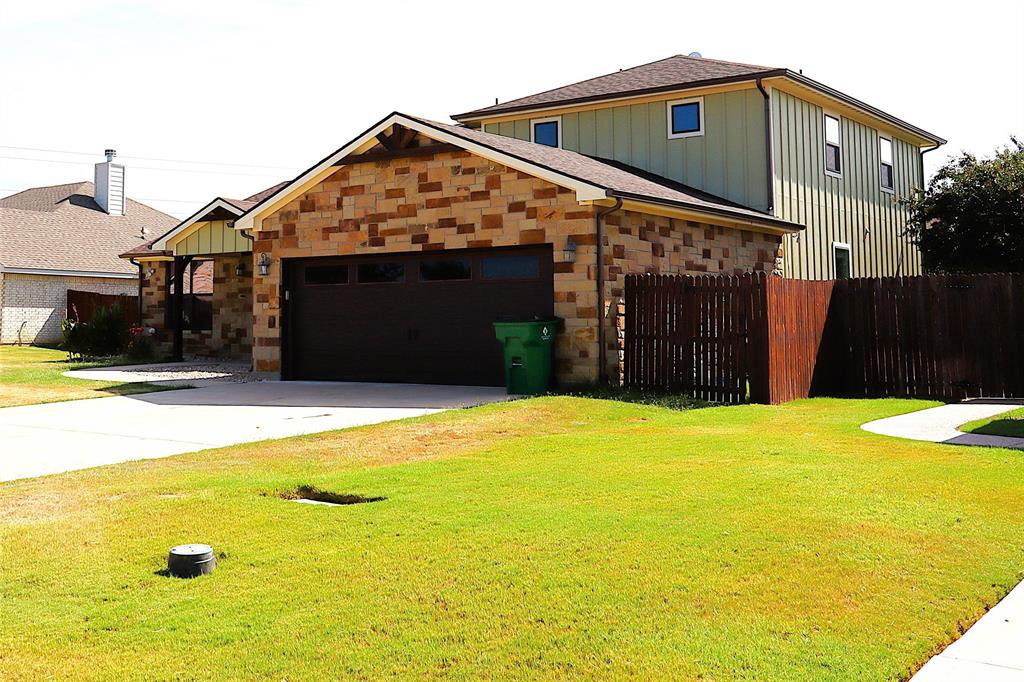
276 86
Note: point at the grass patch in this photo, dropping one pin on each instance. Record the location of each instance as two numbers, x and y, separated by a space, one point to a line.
547 538
33 374
1010 424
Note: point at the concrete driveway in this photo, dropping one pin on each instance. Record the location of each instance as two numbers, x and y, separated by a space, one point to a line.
47 439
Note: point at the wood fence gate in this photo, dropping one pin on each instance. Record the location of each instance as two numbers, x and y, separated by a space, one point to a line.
768 339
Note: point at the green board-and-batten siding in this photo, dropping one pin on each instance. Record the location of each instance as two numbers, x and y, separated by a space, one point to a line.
211 238
852 209
727 160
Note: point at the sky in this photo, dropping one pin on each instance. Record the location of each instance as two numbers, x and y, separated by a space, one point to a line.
182 89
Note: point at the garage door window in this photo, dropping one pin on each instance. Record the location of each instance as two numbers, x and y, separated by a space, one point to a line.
380 273
327 275
511 267
445 270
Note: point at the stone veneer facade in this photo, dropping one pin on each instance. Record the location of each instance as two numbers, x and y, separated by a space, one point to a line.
231 336
456 200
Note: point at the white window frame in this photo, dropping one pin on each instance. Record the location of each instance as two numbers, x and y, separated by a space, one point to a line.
549 119
891 164
841 246
824 143
700 113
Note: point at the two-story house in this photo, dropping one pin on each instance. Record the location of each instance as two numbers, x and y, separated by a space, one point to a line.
390 258
767 138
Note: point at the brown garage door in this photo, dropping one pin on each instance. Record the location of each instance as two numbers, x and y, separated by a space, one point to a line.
415 317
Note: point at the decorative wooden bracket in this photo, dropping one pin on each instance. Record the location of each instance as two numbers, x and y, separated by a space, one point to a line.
400 138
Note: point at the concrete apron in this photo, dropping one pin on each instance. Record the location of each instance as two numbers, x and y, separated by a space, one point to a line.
57 437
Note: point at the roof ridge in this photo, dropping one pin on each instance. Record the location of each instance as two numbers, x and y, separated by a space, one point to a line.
726 61
586 80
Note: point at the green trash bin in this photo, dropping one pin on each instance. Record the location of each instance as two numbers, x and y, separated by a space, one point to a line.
528 349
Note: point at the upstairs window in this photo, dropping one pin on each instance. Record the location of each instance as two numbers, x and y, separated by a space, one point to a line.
685 118
833 146
885 163
546 131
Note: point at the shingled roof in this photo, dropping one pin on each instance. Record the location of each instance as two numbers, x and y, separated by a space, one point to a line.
673 72
679 72
62 228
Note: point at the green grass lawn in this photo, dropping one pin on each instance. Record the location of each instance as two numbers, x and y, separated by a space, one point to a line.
1006 424
32 374
556 537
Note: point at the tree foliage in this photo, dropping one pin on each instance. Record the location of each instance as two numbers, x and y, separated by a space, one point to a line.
971 217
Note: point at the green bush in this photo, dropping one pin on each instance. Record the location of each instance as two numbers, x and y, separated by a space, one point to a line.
106 334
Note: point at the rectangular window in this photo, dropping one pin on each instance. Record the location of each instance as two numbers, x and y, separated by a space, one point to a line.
379 273
841 255
685 118
833 146
326 274
546 131
510 267
885 163
445 270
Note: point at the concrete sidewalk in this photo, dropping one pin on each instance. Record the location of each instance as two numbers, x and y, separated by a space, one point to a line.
991 650
939 424
56 437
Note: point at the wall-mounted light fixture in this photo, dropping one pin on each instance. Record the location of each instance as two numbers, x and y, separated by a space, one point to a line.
569 251
150 272
239 270
264 264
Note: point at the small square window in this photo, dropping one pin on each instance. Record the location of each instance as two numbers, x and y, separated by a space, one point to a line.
885 163
833 146
685 118
546 132
841 255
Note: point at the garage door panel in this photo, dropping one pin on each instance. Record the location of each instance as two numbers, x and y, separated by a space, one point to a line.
430 327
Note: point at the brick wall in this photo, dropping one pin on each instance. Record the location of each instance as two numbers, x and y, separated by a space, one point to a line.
231 335
642 243
33 306
232 306
457 200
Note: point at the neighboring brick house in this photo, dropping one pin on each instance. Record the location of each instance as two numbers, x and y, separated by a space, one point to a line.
66 237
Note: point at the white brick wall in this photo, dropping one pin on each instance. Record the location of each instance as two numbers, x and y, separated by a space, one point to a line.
32 306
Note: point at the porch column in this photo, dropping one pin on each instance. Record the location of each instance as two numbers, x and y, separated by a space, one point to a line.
180 265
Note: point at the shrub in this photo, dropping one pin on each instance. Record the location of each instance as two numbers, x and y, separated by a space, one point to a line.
106 334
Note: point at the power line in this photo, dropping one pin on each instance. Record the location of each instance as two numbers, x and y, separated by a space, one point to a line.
149 158
152 168
174 201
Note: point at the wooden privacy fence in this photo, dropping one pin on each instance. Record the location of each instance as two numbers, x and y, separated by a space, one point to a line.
82 305
768 339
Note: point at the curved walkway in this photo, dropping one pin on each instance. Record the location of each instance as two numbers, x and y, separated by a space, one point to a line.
939 424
